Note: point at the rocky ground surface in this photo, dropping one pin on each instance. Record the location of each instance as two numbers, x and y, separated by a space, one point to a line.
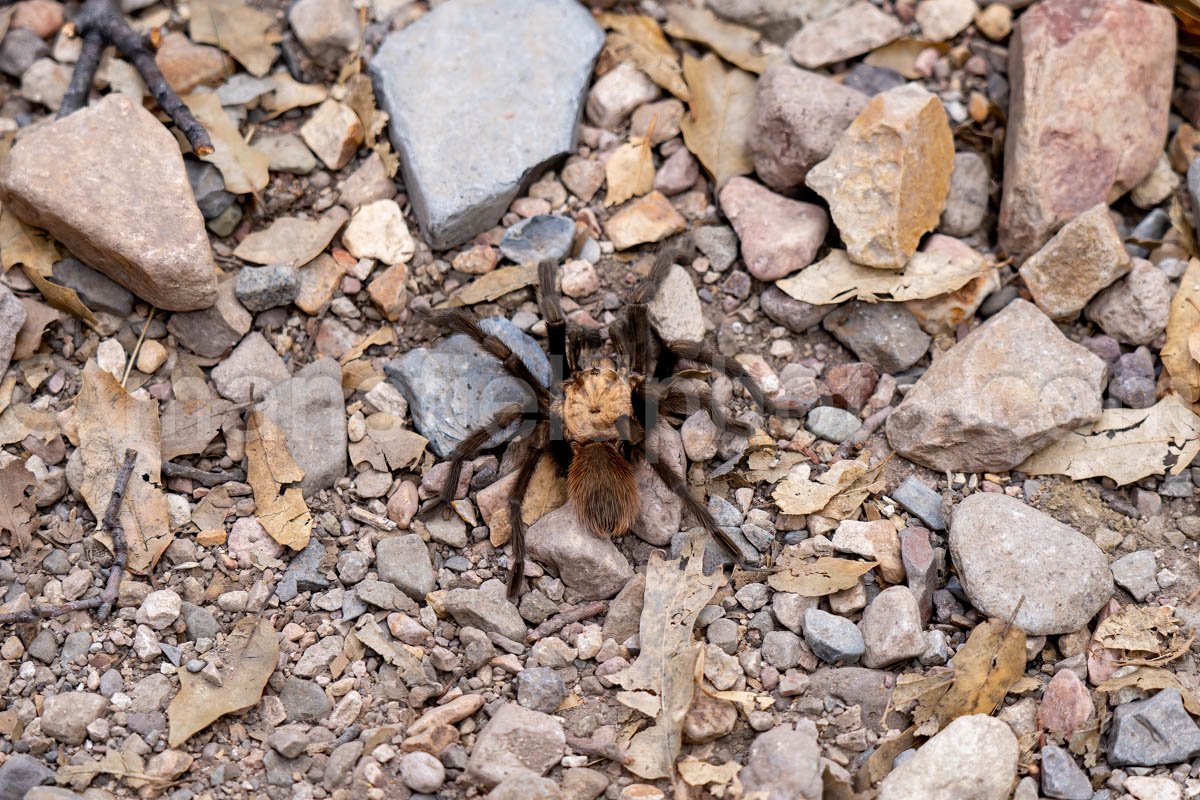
956 241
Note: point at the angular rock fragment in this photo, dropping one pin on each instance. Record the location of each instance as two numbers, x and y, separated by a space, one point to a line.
1084 257
589 564
888 177
974 757
124 207
1072 63
472 129
778 235
1012 386
850 32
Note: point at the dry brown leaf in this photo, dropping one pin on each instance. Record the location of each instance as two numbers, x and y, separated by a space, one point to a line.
398 655
243 167
734 43
660 681
1176 354
360 97
384 335
194 415
38 316
288 93
249 656
22 420
901 56
16 509
990 662
799 494
247 34
118 763
547 491
110 421
879 763
845 504
1148 635
34 251
817 578
1151 678
494 284
275 476
629 171
388 446
639 39
292 240
836 279
1125 444
701 773
717 124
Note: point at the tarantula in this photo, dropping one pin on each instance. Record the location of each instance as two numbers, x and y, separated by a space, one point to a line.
594 417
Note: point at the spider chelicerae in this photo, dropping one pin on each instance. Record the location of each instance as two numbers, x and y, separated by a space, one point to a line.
594 416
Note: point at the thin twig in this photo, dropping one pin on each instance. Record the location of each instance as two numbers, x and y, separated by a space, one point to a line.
560 621
588 747
100 22
869 426
104 601
137 348
207 479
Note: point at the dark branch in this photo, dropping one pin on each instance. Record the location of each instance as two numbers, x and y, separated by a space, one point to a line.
104 601
560 621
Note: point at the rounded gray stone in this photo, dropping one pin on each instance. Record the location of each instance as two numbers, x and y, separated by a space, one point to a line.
832 638
1008 553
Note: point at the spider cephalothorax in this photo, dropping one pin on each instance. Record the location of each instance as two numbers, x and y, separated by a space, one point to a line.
594 417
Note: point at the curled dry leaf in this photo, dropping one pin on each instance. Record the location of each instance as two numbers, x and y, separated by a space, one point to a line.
109 422
287 93
125 764
836 279
717 124
901 56
985 668
1125 444
16 509
407 665
817 578
275 477
496 283
701 773
247 34
1177 354
249 656
799 494
660 682
638 38
34 252
734 43
1150 679
1147 635
243 167
360 97
629 171
38 317
845 504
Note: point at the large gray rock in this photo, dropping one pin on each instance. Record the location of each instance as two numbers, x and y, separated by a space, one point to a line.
1008 553
972 758
483 94
454 387
1146 733
589 564
125 206
20 773
488 609
12 317
1011 387
312 413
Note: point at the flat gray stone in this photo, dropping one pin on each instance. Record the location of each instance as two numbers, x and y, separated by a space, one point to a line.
454 387
917 498
540 238
1146 733
404 562
97 291
1135 573
20 773
483 95
832 638
1062 777
310 409
488 609
1008 553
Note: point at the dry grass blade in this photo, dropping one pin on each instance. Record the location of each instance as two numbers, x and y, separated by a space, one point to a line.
817 578
718 123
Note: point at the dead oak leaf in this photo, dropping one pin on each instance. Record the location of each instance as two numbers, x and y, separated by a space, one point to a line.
494 284
249 655
274 476
247 34
244 168
1148 635
817 578
638 38
629 171
35 252
717 125
734 43
1151 678
16 507
836 279
1178 361
800 494
1125 444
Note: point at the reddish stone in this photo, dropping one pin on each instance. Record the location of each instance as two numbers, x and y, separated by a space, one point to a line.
1066 704
1091 90
851 385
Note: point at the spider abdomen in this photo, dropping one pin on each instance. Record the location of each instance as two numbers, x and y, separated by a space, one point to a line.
602 489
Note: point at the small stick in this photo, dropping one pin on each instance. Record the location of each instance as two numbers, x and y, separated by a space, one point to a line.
207 479
869 426
104 601
137 348
560 621
588 747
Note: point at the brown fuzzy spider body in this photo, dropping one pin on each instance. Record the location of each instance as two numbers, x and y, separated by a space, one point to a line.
594 416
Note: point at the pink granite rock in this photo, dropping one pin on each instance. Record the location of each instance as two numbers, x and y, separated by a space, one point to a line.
778 236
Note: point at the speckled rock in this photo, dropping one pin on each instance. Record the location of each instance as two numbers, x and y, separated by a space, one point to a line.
1085 256
1011 387
587 563
778 235
1008 553
515 740
972 758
